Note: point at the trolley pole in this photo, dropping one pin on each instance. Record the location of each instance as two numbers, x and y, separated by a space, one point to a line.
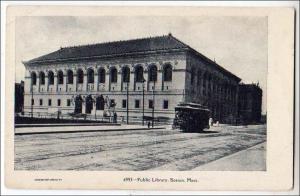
127 111
31 101
143 101
95 109
153 103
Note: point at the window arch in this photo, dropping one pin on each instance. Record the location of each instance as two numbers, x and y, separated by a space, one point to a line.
50 78
167 73
60 77
126 74
70 77
139 74
113 75
101 75
90 76
79 76
42 78
33 78
152 73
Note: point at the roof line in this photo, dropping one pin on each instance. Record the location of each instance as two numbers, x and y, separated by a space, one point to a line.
117 54
112 42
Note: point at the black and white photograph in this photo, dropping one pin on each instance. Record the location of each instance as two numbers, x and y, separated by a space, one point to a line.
158 93
149 98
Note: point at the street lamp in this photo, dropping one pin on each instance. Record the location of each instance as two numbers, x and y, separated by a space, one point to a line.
127 95
143 100
153 103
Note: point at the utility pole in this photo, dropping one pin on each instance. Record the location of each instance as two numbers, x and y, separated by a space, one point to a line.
95 100
31 101
153 103
143 101
127 111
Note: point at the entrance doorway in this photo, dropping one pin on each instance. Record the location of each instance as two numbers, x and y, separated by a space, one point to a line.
88 104
78 105
100 103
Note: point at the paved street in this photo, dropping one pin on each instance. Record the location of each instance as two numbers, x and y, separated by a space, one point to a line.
159 149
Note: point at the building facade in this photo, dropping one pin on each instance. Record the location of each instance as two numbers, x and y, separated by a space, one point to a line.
250 102
150 76
19 97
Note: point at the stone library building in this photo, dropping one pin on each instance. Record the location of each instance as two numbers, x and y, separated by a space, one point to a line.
147 76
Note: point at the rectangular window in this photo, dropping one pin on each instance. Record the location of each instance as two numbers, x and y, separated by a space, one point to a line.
68 102
166 104
137 104
124 103
41 101
32 101
58 102
151 103
49 102
112 103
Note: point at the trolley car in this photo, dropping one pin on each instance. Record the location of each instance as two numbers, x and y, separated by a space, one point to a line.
191 117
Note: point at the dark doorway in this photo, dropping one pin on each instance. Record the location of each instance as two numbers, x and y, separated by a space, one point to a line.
100 103
88 104
78 105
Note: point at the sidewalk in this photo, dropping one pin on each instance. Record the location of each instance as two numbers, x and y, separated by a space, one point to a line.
66 124
75 129
251 159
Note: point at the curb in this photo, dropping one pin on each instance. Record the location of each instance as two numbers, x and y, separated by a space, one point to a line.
78 131
65 125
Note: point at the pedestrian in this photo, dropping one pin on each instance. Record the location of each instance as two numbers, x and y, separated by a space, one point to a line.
148 124
115 117
211 122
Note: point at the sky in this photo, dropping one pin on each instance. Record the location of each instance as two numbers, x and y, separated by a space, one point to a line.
239 44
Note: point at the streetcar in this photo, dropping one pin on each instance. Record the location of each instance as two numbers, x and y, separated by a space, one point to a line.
191 117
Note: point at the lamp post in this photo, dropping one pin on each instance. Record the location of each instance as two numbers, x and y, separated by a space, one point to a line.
127 96
31 101
95 104
153 103
143 100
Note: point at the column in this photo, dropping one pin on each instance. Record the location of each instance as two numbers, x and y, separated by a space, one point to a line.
159 84
107 80
46 82
65 82
38 82
75 80
85 83
96 80
55 82
119 80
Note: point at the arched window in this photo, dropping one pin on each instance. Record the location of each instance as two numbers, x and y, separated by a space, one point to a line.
113 75
139 74
60 77
101 75
70 77
42 78
33 78
79 76
50 78
167 73
126 74
90 76
152 73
